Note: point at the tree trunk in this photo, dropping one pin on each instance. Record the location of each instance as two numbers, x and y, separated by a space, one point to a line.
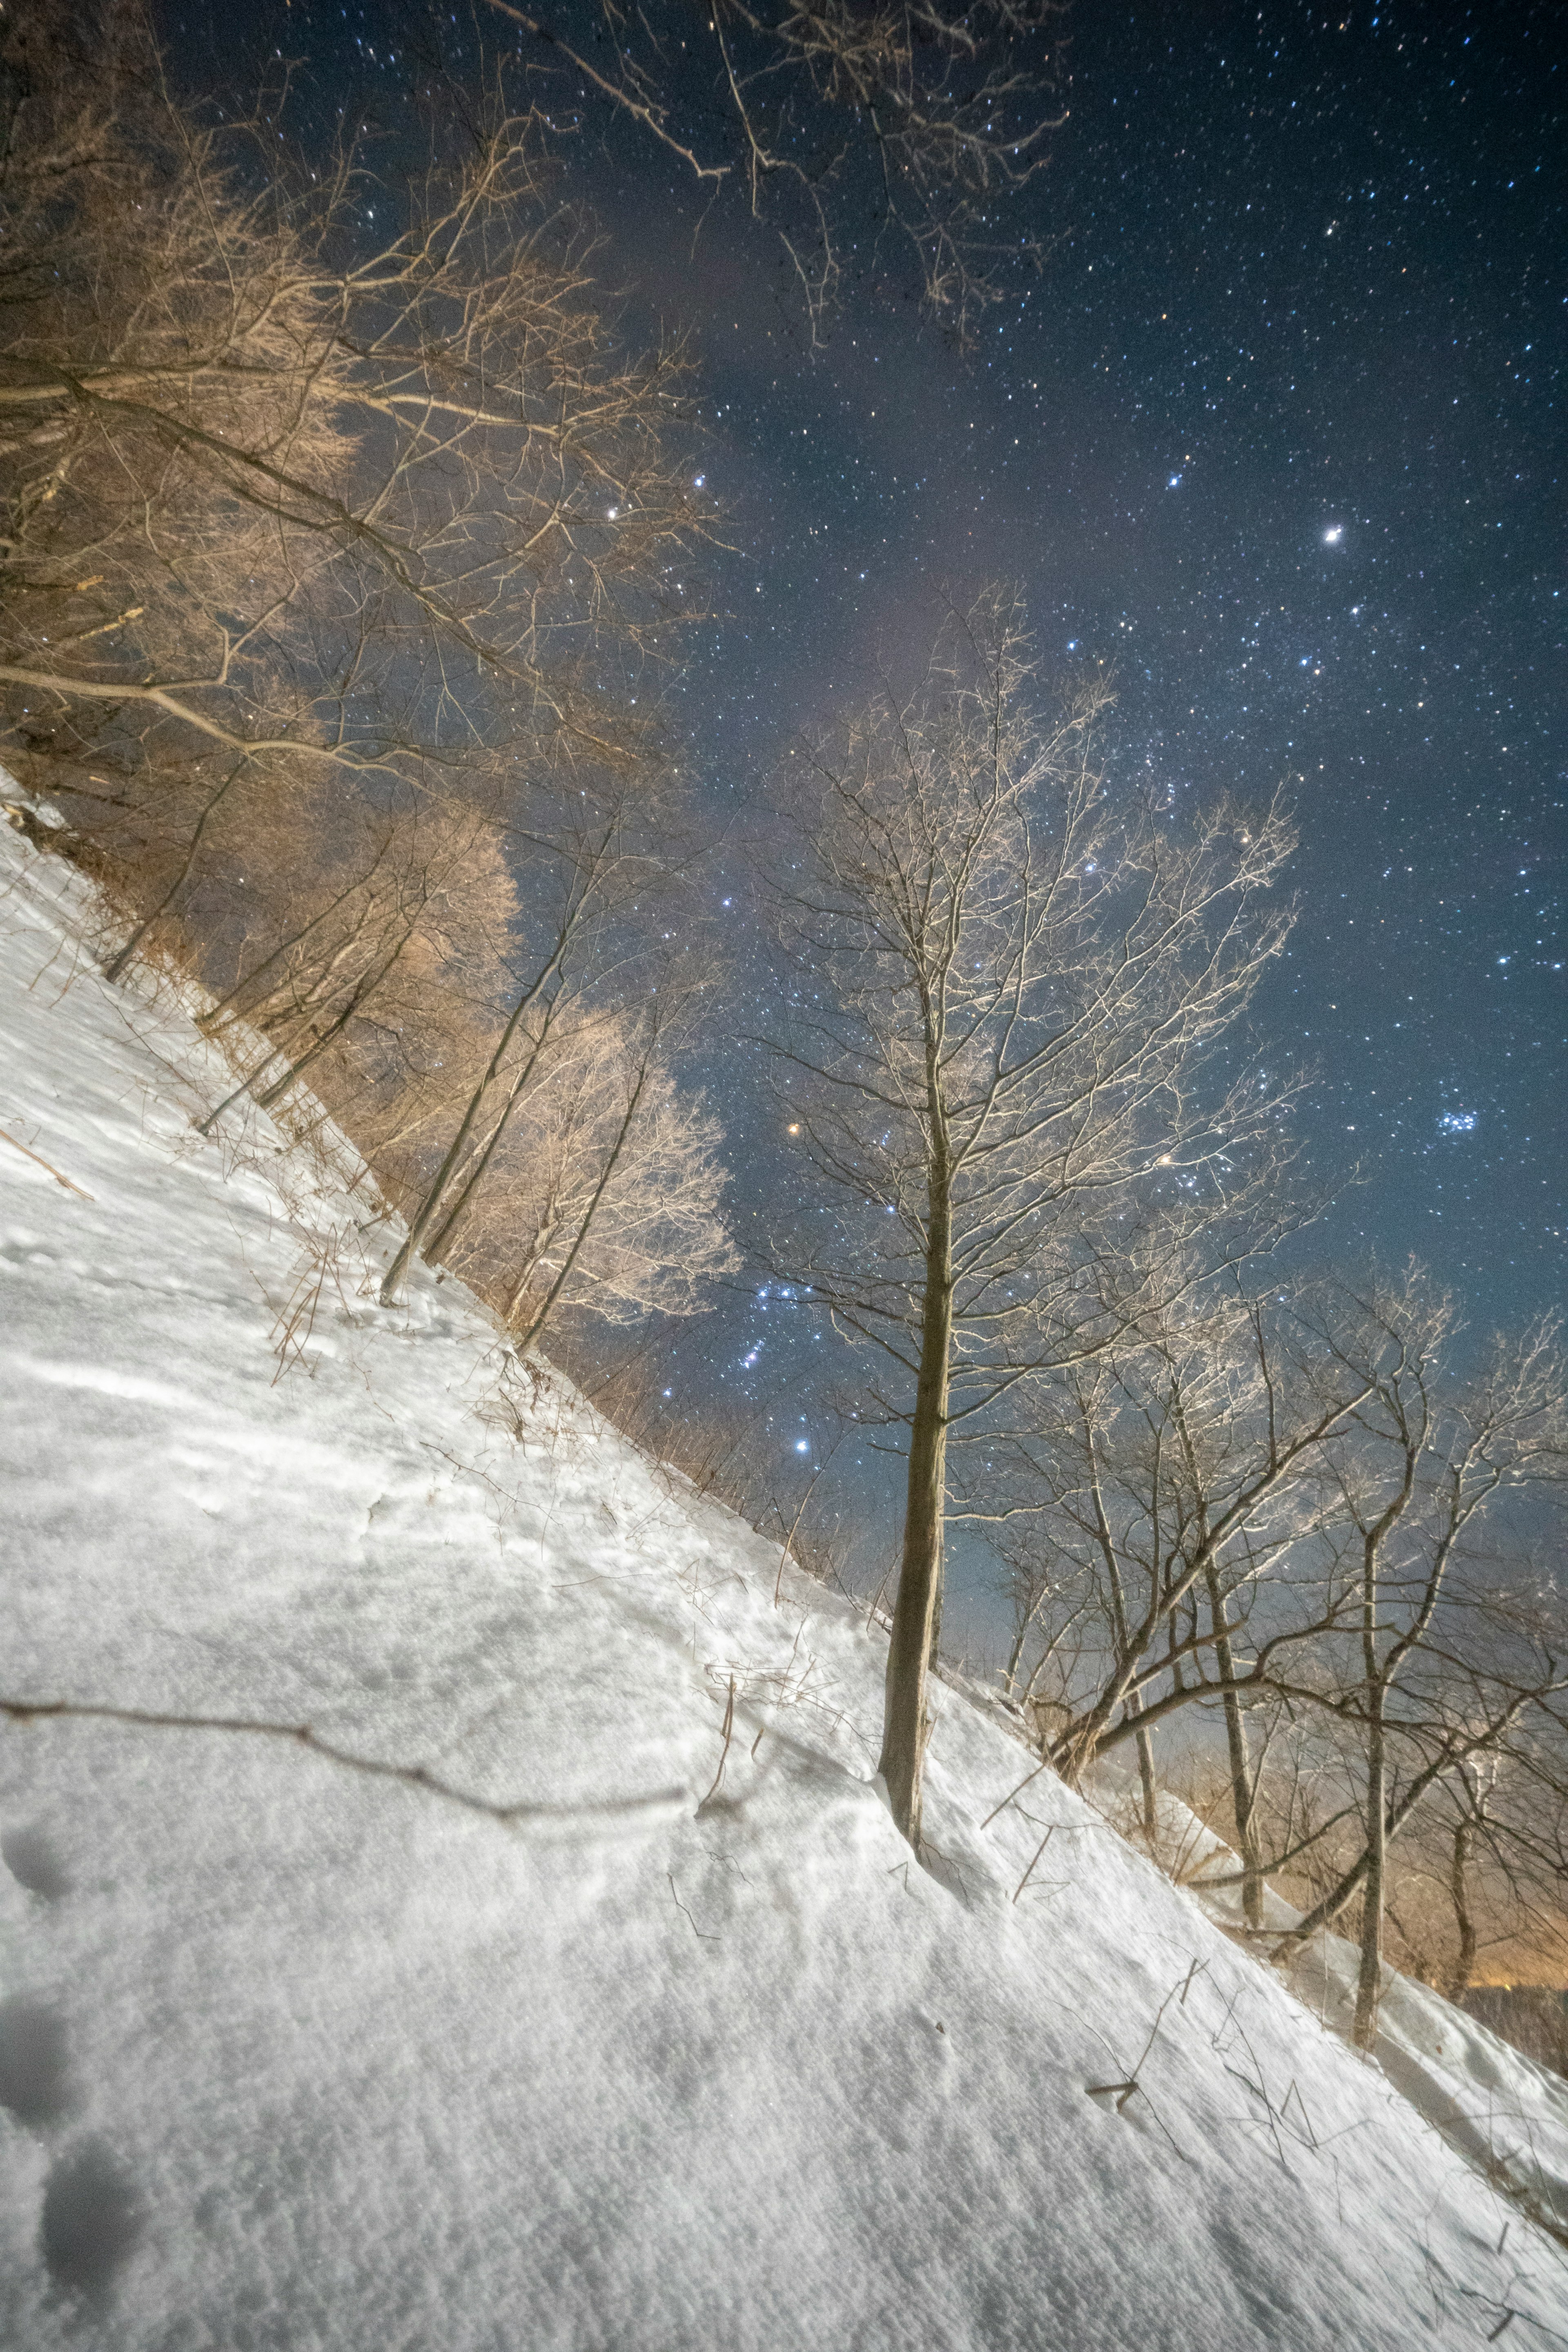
425 1214
1147 1781
916 1609
1459 1975
473 1175
1243 1788
1014 1655
364 989
1369 1983
541 1315
117 963
1134 1706
215 1015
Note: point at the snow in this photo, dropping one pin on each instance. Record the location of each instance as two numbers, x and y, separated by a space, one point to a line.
296 2055
1507 2114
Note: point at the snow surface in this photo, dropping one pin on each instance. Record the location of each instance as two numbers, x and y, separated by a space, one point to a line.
294 2055
1498 2107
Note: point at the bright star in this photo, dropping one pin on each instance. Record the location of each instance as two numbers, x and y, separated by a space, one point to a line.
1333 534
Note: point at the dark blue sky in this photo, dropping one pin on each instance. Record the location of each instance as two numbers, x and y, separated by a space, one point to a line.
1278 432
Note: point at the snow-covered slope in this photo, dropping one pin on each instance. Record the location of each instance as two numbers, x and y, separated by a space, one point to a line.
1498 2107
297 2056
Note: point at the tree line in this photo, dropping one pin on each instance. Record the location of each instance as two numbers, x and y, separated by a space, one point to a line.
334 565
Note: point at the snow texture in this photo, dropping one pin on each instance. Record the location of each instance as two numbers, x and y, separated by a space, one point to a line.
299 2056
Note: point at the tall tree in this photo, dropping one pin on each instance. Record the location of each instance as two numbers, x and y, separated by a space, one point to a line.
1010 986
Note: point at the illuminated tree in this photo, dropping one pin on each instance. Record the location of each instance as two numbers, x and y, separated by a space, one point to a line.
1010 989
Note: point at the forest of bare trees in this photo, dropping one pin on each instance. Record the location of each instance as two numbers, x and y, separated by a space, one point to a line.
1312 1518
1306 1527
341 567
334 566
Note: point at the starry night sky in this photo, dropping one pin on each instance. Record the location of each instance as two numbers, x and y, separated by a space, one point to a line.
1278 432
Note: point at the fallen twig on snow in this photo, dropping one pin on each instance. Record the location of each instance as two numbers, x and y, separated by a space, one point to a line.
728 1735
7 1138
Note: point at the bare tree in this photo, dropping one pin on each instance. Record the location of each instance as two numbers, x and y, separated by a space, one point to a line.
597 857
1009 985
605 1198
848 125
1493 1861
1424 1462
1175 1492
281 501
384 983
334 568
1266 1507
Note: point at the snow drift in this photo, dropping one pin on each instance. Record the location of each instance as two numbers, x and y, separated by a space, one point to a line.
580 2041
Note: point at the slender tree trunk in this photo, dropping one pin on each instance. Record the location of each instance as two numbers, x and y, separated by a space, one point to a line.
1459 1975
916 1609
360 996
215 1015
1243 1787
536 1324
1014 1655
117 963
1369 1981
1147 1783
1134 1706
424 1216
474 1174
364 988
296 1021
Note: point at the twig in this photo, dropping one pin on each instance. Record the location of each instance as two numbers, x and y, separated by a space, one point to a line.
1293 2090
1154 2030
706 1934
1006 1801
7 1138
1124 2091
1029 1873
302 1735
1105 2090
728 1735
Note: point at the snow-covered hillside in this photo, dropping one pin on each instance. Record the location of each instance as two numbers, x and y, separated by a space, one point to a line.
296 2055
